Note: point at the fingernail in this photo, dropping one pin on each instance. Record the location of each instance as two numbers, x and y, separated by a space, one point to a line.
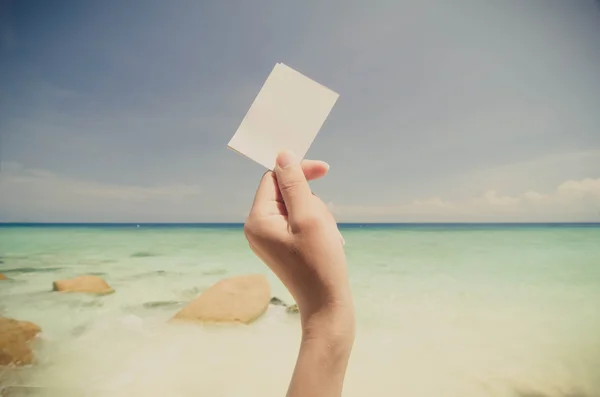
286 159
326 165
343 241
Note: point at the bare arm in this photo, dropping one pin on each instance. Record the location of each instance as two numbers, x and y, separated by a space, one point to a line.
323 358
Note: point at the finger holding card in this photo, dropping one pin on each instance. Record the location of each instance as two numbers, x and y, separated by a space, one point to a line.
314 169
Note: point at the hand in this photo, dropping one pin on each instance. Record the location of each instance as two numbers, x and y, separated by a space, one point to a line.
293 232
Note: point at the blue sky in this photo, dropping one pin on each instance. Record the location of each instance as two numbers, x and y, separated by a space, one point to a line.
448 111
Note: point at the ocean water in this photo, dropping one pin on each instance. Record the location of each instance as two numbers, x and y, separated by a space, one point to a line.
442 310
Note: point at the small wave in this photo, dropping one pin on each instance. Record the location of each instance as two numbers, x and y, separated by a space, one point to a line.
192 293
22 270
161 304
42 294
143 254
16 257
97 273
86 303
154 308
77 300
146 275
96 261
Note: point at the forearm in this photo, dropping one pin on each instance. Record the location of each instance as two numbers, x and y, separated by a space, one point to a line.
327 341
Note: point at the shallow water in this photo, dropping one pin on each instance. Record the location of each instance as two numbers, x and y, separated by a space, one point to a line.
441 311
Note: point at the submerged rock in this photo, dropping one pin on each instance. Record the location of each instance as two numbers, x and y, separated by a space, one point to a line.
293 309
14 341
241 299
2 276
88 284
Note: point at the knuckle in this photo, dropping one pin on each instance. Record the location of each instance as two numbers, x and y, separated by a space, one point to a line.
289 185
248 228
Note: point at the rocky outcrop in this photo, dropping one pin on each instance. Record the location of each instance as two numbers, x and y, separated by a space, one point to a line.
87 284
15 337
241 299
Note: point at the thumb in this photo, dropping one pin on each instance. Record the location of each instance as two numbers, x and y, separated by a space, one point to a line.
293 185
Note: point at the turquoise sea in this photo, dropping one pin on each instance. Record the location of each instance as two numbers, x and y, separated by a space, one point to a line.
442 310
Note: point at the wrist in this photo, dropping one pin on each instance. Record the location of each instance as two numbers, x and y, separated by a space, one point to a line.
327 339
334 325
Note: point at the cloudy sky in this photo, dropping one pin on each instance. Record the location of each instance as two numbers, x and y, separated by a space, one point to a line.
449 111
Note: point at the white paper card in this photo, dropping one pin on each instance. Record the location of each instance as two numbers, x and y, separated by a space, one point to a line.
287 113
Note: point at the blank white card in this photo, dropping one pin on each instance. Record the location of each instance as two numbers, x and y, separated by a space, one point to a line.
287 113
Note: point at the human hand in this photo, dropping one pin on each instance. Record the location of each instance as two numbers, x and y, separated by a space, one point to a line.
294 233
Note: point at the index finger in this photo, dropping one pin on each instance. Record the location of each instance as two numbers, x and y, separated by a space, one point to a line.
267 190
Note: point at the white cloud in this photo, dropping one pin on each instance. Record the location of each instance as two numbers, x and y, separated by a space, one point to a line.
573 200
33 194
540 173
39 195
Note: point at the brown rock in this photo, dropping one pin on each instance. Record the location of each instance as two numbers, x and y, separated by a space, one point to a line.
14 341
241 299
2 276
292 309
89 284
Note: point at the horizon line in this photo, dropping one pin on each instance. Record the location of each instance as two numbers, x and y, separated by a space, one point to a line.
339 223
